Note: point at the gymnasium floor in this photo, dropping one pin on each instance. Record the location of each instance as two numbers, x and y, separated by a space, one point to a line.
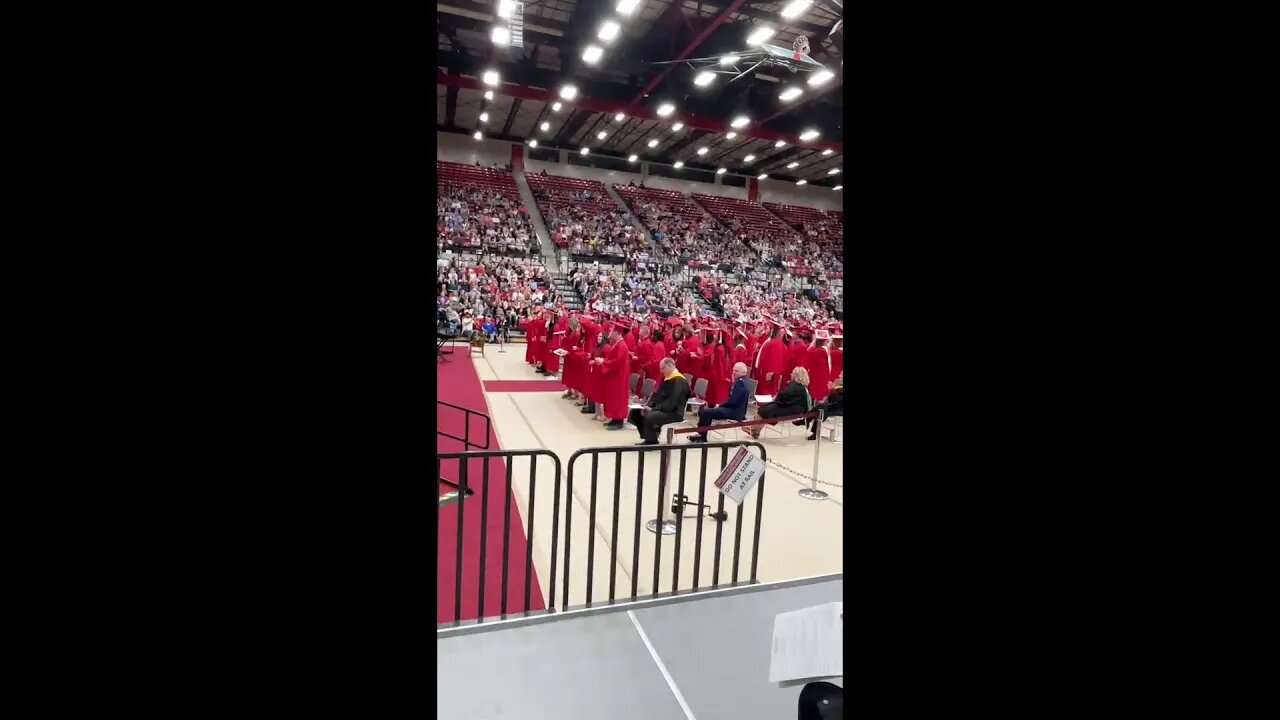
798 537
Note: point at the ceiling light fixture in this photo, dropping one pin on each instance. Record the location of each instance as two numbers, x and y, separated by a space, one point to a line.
568 92
488 94
666 109
653 143
533 142
820 77
626 6
802 182
793 165
677 127
740 121
790 93
726 60
749 158
586 151
501 36
795 7
833 171
731 135
762 176
633 158
545 126
809 134
484 117
704 78
702 151
477 135
591 55
722 171
780 143
608 31
620 117
490 77
760 35
555 107
828 151
679 164
505 7
601 135
838 187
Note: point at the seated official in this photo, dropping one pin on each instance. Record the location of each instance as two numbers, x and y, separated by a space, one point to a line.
735 408
793 400
666 405
831 407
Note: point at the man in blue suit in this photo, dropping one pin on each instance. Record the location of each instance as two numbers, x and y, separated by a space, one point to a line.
735 408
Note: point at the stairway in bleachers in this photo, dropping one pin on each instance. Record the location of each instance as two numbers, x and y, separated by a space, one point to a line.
572 299
644 232
549 250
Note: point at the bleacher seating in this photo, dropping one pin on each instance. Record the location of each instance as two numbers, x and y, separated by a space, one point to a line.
474 187
745 216
826 227
566 202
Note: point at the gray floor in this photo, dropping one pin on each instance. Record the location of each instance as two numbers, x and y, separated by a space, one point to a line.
715 649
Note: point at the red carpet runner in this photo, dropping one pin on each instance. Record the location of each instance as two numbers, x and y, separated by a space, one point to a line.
459 384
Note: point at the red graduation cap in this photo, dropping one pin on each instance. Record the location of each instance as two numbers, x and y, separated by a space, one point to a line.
622 324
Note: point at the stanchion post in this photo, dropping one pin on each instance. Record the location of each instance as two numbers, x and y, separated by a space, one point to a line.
664 520
812 492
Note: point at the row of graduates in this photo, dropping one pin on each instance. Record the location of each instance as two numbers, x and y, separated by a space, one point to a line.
598 372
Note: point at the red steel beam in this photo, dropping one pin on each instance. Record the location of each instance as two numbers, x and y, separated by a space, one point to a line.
608 106
719 19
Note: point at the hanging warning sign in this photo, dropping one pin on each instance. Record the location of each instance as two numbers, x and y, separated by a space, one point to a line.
740 475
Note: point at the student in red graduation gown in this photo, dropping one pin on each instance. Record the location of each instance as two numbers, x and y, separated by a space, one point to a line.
768 362
689 355
837 352
740 353
616 367
674 345
718 371
818 363
534 335
754 343
572 344
552 363
591 376
796 350
657 351
641 352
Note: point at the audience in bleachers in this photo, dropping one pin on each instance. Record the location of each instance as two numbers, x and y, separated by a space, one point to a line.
472 290
480 209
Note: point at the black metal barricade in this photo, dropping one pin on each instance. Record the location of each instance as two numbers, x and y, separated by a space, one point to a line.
663 456
466 440
465 481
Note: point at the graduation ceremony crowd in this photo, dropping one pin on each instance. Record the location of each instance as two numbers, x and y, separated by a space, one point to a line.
799 366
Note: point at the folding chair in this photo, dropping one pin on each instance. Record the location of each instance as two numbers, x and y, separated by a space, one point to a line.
631 386
698 399
477 341
647 389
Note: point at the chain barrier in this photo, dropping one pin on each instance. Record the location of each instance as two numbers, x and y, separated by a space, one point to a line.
800 474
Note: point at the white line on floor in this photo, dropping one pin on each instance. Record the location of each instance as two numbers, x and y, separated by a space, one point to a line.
671 683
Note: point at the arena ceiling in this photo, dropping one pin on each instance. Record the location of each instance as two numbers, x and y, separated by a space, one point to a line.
555 35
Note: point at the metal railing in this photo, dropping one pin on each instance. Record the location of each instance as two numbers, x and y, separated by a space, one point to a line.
467 499
695 464
466 440
702 452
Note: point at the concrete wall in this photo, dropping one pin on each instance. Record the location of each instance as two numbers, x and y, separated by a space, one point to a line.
453 147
